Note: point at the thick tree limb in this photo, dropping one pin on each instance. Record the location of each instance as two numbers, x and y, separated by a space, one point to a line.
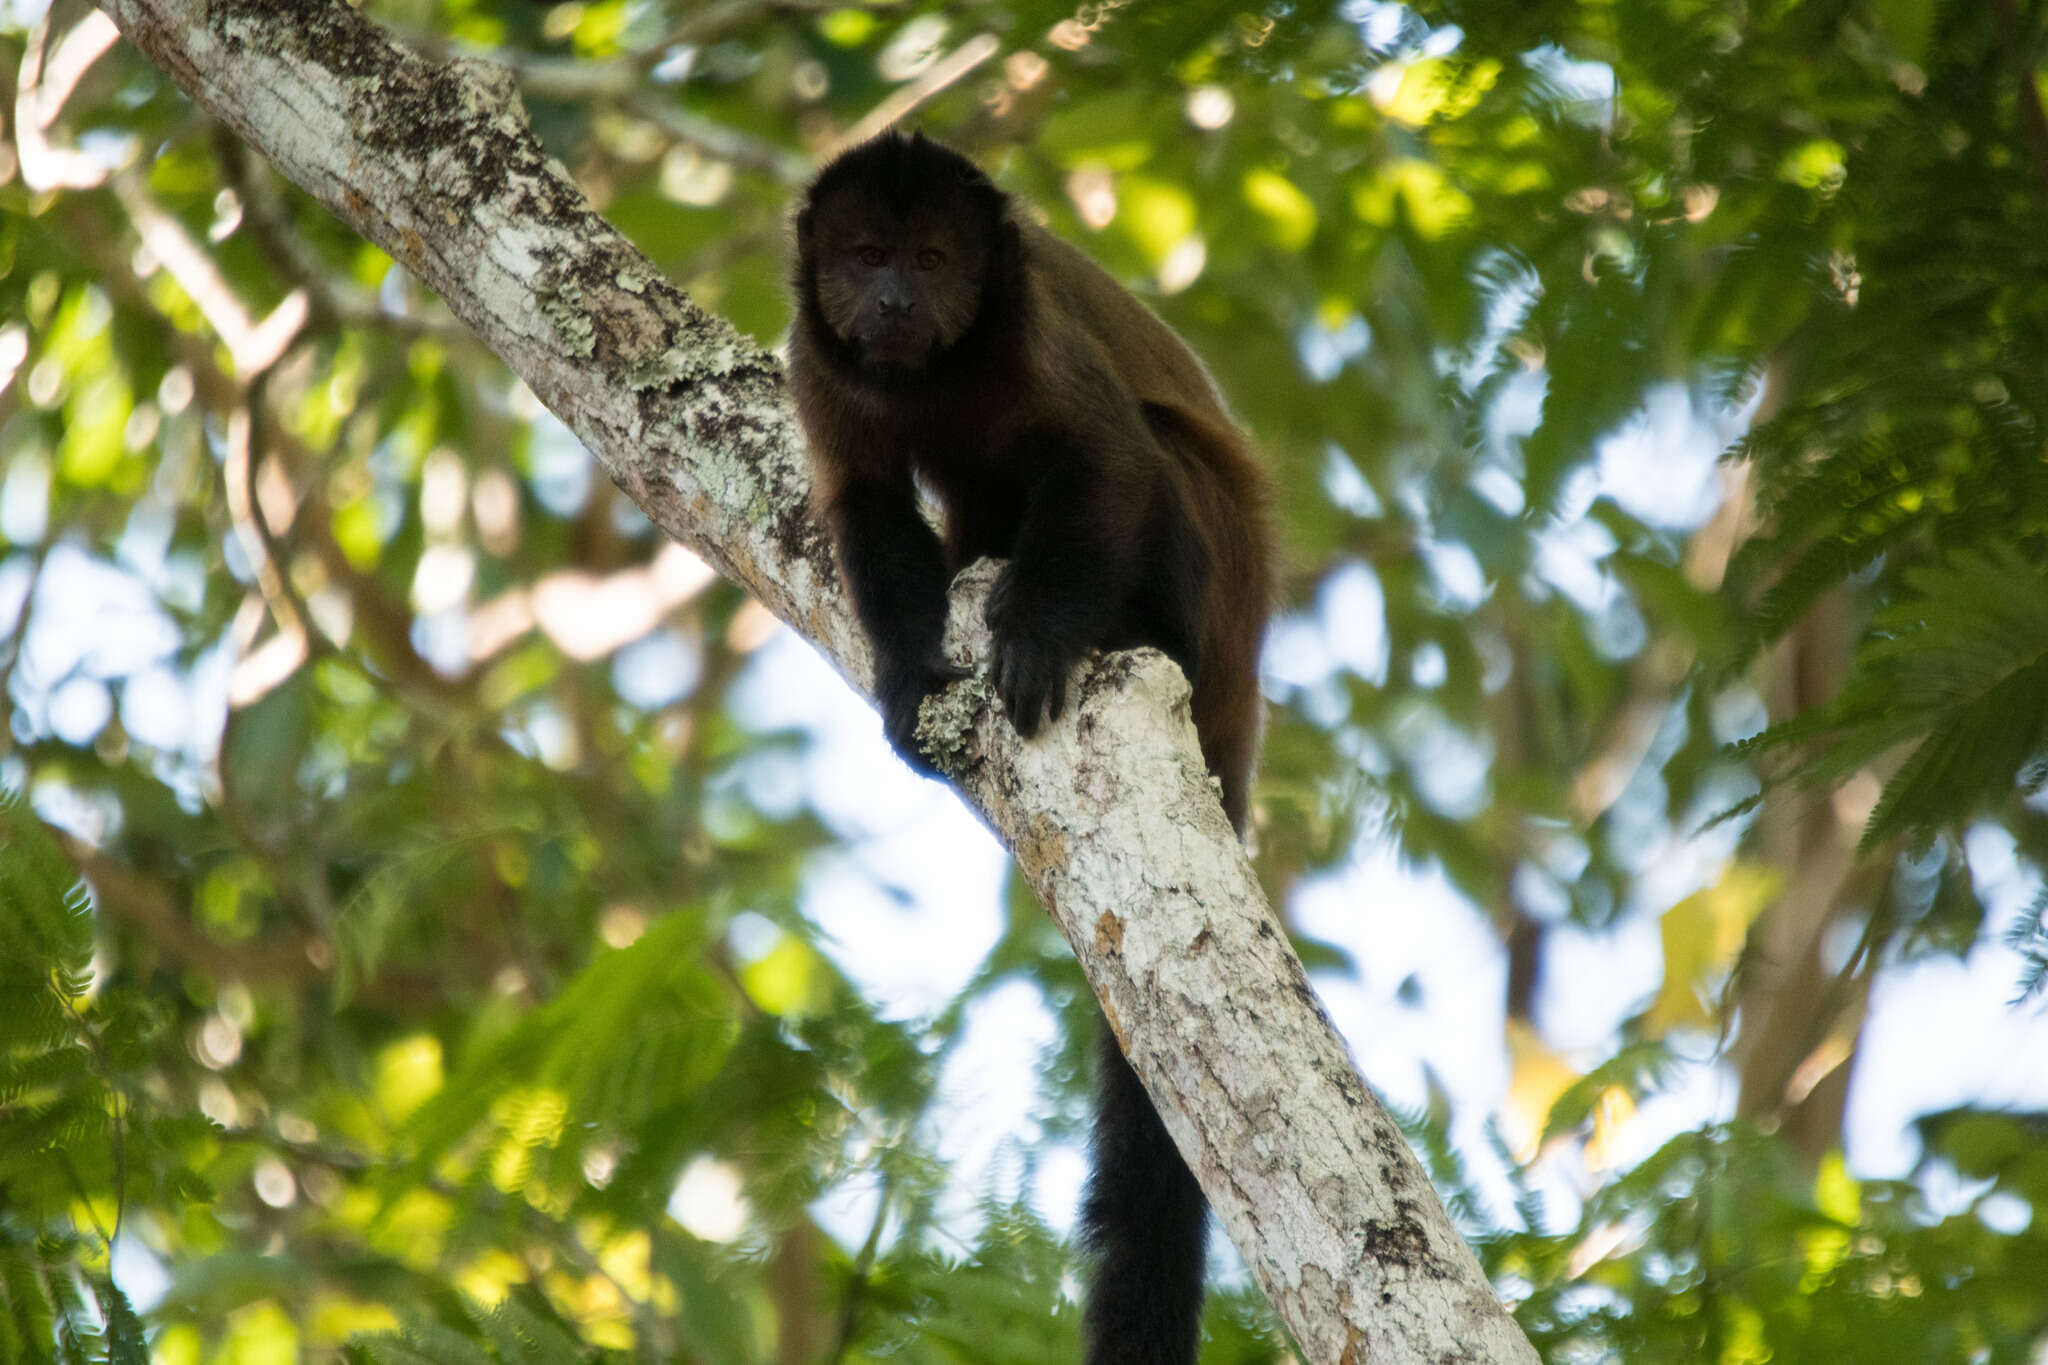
1111 816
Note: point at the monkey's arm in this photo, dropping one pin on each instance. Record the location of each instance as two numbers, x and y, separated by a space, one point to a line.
897 572
1072 567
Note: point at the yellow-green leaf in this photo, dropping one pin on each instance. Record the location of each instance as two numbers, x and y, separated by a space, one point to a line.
1156 215
1290 215
1702 935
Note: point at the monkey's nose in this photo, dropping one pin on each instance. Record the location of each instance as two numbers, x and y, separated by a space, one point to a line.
892 303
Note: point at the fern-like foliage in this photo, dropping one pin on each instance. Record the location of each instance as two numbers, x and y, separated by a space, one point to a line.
2028 936
1640 1069
513 1332
1903 453
45 938
638 1029
1955 672
59 1113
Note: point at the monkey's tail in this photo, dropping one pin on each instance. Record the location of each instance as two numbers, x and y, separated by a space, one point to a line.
1144 1220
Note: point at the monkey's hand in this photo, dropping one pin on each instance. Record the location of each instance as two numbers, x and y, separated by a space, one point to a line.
899 688
1030 659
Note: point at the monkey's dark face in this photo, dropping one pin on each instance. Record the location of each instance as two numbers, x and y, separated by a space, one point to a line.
900 285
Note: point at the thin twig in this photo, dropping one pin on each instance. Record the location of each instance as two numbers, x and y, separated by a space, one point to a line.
624 81
717 140
253 346
49 73
857 1282
268 219
907 99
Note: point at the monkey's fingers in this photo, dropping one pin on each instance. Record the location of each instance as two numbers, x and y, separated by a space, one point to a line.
899 695
1010 690
1031 679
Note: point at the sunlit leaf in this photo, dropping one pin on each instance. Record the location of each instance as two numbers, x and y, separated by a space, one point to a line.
1702 935
1290 214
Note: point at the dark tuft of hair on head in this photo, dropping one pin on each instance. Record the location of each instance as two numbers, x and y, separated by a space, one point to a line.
903 169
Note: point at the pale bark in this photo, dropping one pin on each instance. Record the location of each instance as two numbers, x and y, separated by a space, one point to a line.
1111 816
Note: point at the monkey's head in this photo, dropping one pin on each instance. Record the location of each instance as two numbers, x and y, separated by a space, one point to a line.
897 242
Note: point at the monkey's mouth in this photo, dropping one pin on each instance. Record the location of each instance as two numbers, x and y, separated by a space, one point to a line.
897 347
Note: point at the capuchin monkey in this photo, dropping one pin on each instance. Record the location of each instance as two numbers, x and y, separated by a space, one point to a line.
945 341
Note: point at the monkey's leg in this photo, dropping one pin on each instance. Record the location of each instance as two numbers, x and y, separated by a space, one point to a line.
897 573
1071 573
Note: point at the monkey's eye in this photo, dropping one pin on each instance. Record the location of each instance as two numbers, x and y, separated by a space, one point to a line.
929 259
873 255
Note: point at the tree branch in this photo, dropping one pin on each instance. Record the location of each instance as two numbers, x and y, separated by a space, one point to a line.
2033 121
1112 816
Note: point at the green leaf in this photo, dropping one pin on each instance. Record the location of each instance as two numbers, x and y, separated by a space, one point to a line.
641 1027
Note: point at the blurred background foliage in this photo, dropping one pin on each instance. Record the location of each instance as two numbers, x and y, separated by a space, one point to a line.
406 930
